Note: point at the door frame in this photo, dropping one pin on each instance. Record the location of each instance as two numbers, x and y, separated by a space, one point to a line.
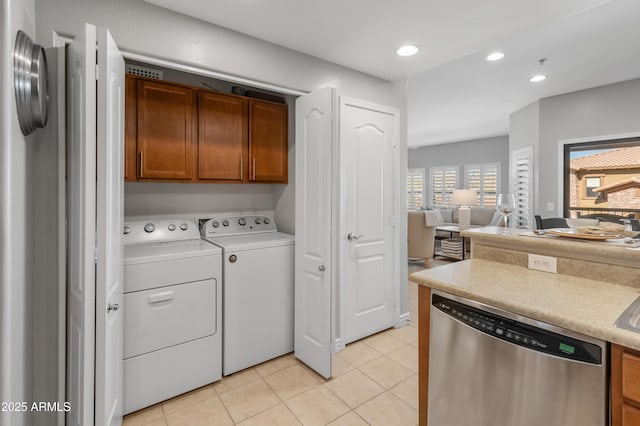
339 232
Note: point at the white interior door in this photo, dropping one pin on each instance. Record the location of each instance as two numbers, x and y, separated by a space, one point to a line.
368 282
314 272
81 214
111 74
94 337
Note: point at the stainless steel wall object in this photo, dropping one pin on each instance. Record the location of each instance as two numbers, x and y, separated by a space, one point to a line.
31 84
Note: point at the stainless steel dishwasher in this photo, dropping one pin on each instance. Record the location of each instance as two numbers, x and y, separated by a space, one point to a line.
488 367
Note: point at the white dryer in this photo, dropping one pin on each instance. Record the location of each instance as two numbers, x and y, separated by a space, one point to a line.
257 289
172 311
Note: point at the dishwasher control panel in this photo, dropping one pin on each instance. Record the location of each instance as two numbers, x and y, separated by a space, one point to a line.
519 333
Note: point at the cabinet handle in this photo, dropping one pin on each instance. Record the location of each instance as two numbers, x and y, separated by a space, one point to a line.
241 169
141 163
254 168
160 297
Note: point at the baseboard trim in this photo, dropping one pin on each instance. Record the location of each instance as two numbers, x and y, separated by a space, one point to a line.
403 320
339 346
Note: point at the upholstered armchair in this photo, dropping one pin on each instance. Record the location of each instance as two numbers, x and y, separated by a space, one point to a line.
421 238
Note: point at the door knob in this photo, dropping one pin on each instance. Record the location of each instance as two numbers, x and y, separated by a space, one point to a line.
351 236
321 268
112 307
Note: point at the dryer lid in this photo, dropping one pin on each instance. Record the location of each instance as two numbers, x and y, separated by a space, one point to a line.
156 252
253 242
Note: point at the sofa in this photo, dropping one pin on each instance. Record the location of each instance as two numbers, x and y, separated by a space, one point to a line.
480 216
421 228
420 237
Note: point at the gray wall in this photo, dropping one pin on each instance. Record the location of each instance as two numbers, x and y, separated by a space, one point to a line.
524 131
489 150
151 198
593 114
16 235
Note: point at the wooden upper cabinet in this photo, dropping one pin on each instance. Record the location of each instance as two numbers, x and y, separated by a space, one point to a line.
175 132
222 137
165 139
130 129
268 149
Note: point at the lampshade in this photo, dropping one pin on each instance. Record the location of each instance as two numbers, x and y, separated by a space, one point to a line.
464 197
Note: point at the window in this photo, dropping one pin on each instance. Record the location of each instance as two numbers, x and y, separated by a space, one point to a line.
589 165
485 180
522 186
443 180
591 183
415 188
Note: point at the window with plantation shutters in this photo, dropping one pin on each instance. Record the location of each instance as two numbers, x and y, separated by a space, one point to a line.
442 181
522 186
485 180
415 188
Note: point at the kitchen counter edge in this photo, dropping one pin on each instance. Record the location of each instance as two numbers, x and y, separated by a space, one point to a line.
585 306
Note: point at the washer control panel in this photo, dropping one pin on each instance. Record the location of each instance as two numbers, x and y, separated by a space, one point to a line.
159 230
236 225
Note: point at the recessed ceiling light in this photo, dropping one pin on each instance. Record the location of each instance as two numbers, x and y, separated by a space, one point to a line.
408 50
538 78
495 56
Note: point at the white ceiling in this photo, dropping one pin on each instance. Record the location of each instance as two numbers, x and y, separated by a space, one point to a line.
470 98
453 93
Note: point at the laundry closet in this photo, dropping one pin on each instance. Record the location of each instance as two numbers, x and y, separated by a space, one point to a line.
208 282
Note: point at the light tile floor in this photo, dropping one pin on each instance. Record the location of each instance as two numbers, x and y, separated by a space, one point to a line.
374 383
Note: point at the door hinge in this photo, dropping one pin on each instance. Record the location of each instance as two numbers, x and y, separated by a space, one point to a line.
95 253
97 71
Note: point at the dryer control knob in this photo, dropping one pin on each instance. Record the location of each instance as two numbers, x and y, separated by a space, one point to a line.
225 223
171 227
258 221
149 227
215 224
242 221
127 229
267 221
184 226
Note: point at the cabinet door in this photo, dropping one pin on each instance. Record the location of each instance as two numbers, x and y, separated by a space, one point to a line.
267 142
625 386
222 137
630 415
631 377
165 131
130 129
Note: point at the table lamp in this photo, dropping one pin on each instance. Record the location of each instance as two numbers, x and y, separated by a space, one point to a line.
464 198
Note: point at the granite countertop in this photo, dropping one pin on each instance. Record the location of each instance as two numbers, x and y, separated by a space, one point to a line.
614 251
582 305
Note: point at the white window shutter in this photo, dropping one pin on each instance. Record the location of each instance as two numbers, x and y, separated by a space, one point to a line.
485 180
522 186
443 180
415 188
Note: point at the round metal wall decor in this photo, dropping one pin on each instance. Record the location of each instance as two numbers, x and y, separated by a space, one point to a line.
31 84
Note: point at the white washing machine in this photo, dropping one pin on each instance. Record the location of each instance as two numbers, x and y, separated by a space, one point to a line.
172 311
257 289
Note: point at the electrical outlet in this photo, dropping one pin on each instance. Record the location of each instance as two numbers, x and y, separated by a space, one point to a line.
543 263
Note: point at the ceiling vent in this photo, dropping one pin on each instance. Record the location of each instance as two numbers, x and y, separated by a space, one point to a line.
144 72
